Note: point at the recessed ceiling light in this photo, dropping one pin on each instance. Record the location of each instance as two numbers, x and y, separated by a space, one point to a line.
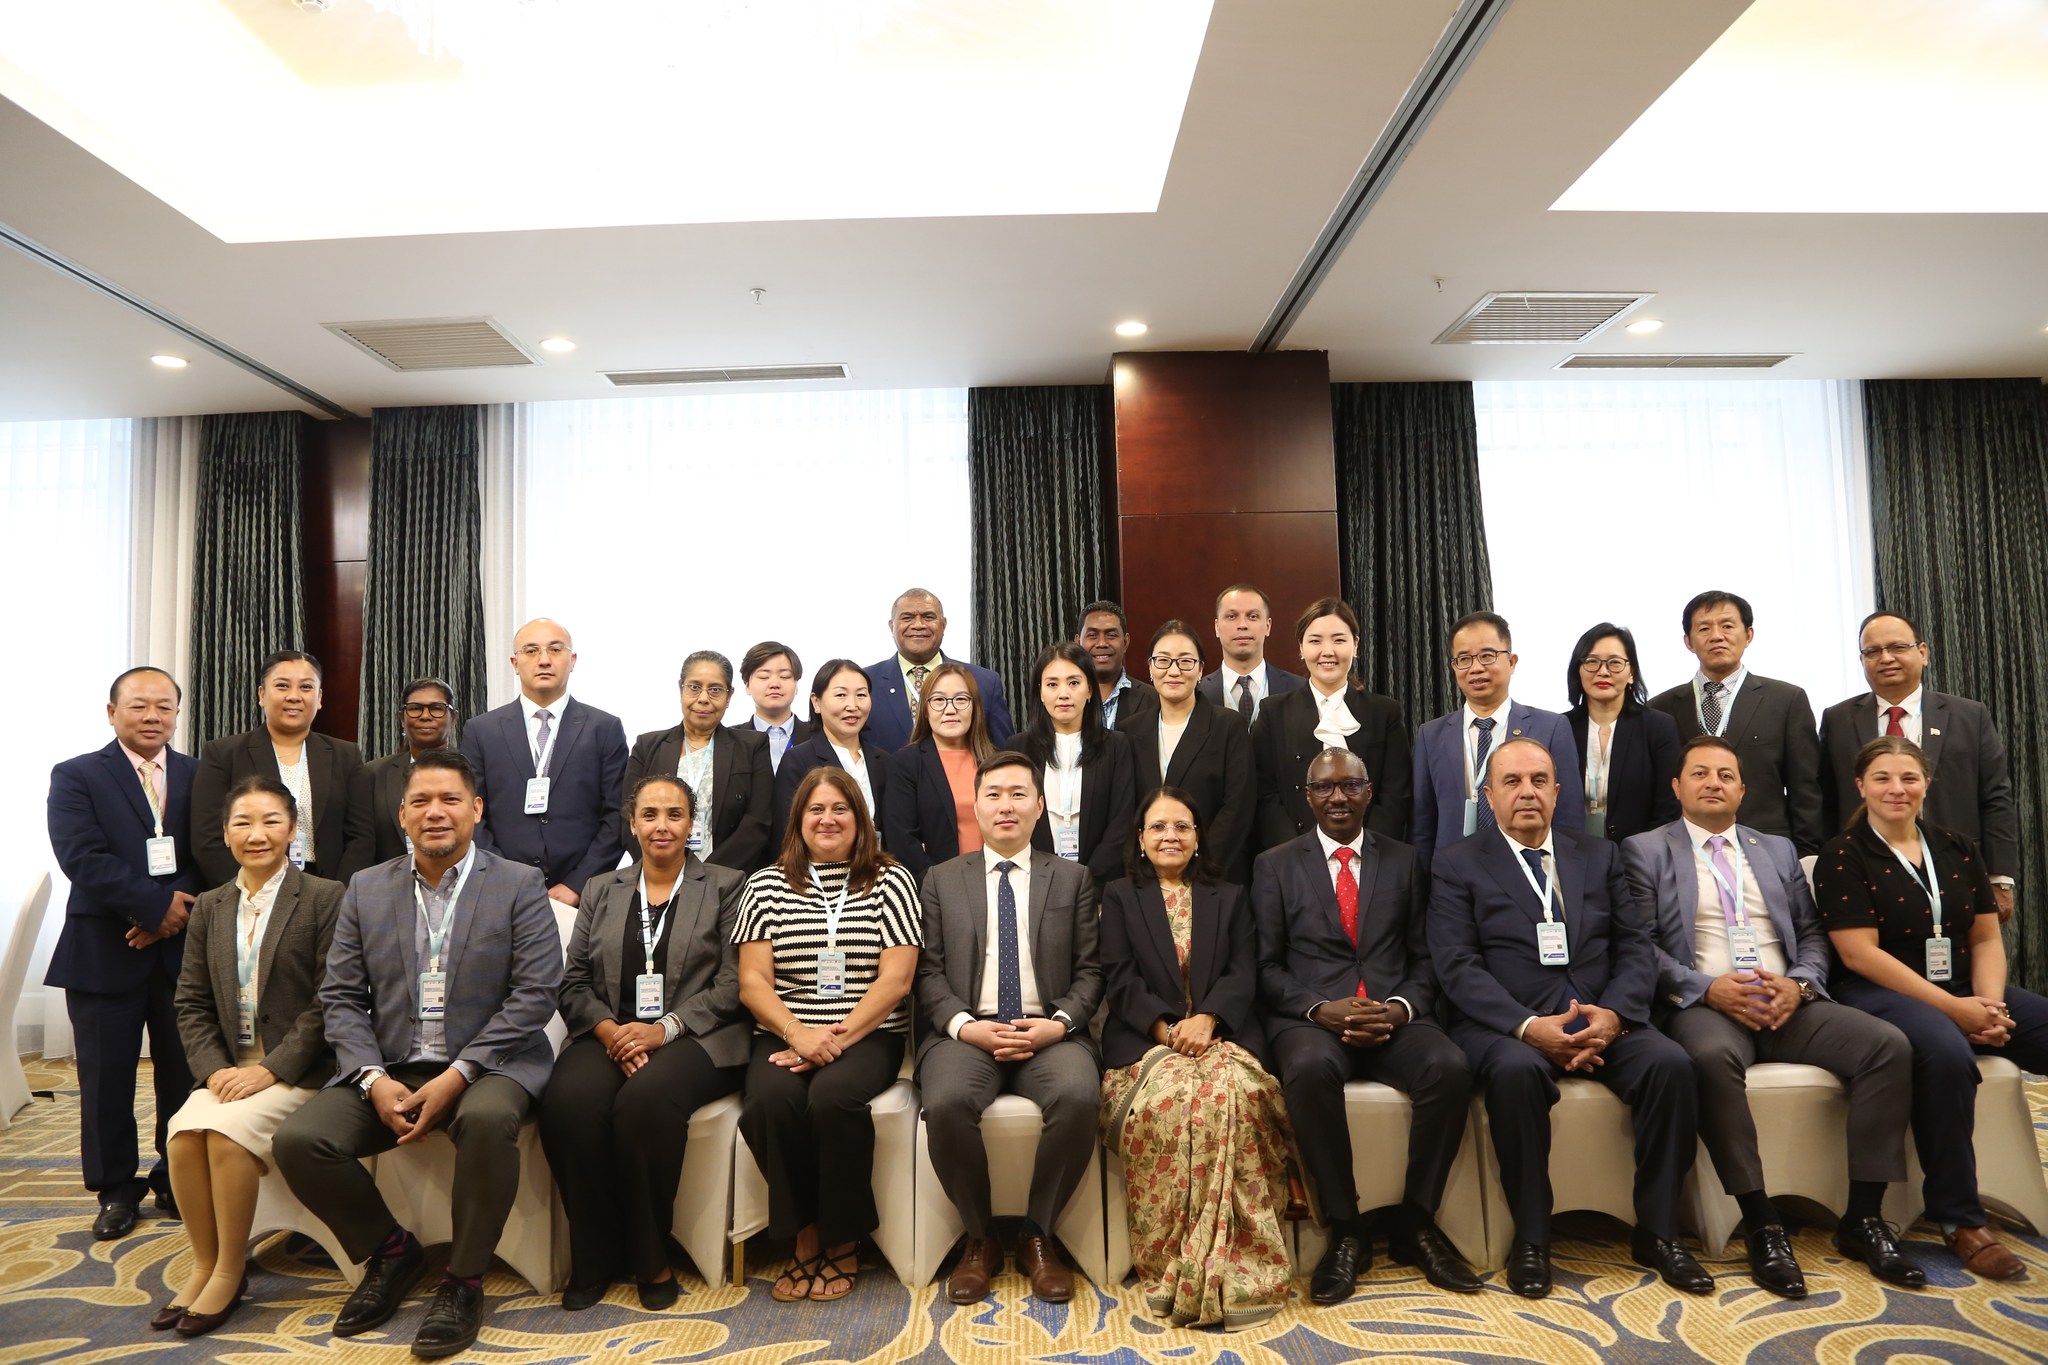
1131 329
169 362
558 345
1644 326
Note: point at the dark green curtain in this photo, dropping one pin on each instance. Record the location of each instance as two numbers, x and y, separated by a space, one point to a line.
248 576
423 597
1411 534
1959 507
1039 474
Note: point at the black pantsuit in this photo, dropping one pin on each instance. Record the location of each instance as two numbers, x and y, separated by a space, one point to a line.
813 1137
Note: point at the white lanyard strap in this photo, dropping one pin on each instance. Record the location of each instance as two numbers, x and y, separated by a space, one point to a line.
147 773
1741 919
1931 883
245 943
435 940
650 930
834 909
1548 890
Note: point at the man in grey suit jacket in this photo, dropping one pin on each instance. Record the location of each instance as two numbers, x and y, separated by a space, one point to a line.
1007 984
440 983
1742 964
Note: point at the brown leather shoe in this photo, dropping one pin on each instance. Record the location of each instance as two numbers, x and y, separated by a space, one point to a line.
1983 1254
1038 1260
980 1262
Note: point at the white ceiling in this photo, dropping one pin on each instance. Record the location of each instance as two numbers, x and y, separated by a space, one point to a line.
1287 98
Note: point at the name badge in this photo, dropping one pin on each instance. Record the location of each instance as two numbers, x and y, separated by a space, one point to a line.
433 994
696 840
245 1025
647 996
536 796
1066 841
832 973
163 855
1471 816
1939 966
1742 951
1551 948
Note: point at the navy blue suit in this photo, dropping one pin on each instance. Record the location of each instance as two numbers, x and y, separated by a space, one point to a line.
890 720
1439 817
580 836
99 819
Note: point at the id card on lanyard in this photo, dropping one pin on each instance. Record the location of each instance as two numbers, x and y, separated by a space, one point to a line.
1940 952
537 785
161 851
832 962
1552 948
1065 812
245 977
1743 953
648 986
433 992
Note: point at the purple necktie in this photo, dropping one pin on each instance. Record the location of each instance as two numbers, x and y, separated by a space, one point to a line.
1717 850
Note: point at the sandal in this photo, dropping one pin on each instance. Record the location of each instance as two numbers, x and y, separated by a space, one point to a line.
801 1277
833 1274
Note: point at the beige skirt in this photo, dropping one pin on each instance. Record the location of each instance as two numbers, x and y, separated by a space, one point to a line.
248 1123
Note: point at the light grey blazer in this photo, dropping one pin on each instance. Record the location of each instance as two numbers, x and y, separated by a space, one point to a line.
290 957
504 965
701 971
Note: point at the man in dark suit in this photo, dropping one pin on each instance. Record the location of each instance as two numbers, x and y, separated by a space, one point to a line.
1451 751
1244 620
120 823
1105 636
770 672
919 624
1007 985
440 982
428 718
1769 722
1971 791
1549 968
316 768
1345 990
551 769
1742 965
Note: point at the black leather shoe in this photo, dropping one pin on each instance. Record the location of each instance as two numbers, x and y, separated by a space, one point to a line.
1673 1263
1337 1273
166 1204
659 1294
1529 1270
116 1219
452 1321
1426 1246
1876 1243
386 1282
1772 1264
576 1298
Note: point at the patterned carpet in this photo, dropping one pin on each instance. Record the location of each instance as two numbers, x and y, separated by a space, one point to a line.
64 1297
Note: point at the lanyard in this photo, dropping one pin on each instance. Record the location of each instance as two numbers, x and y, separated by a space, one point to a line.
245 944
1068 805
1547 890
834 910
435 940
1931 884
1699 704
1470 742
1741 919
156 809
650 931
695 767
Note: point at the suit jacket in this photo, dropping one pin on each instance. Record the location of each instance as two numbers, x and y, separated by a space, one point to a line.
1284 743
889 723
1142 976
99 819
1062 920
504 965
1279 682
1137 706
701 971
1305 957
581 835
374 796
291 957
1213 764
1664 873
1772 729
919 829
742 813
330 764
817 752
1642 761
1440 773
1109 808
1482 934
1971 793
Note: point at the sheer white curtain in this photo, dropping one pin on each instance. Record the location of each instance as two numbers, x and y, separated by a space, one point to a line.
652 527
1617 500
166 499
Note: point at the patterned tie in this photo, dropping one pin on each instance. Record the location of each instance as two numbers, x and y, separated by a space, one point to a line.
1347 899
1485 726
1009 969
1710 706
1897 714
1534 858
540 743
1717 852
1246 703
147 771
918 673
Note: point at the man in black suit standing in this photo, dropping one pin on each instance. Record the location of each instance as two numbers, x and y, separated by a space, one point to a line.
1244 619
1769 722
428 718
120 822
1550 968
551 769
1971 791
1105 636
1345 988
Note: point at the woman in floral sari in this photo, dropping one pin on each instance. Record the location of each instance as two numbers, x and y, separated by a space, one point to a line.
1199 1123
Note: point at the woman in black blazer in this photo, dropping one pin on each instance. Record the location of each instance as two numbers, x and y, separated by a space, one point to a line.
841 700
1065 740
930 815
1207 752
738 820
1630 751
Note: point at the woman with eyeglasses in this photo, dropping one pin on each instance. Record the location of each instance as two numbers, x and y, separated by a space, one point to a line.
728 770
841 700
1086 772
1200 749
1630 751
428 718
930 811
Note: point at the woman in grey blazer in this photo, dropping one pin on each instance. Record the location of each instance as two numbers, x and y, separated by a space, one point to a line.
651 996
249 1017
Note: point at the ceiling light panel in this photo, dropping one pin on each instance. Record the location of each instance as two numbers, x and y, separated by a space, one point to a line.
730 374
1643 360
1525 318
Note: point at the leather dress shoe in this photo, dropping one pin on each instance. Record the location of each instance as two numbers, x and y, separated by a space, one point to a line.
981 1260
1673 1263
1982 1253
166 1204
1038 1260
1336 1275
165 1318
1425 1245
116 1219
1876 1243
1528 1270
576 1298
452 1322
199 1324
386 1282
1772 1264
655 1295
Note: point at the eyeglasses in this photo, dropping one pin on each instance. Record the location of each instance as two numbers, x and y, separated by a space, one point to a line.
1180 827
554 649
1485 658
1596 665
962 702
1350 786
427 708
1162 664
1899 651
715 691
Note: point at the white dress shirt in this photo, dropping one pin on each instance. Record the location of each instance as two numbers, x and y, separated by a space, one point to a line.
857 769
1910 722
1499 716
1333 867
556 709
1710 952
1732 683
1334 721
1020 887
1229 675
1549 877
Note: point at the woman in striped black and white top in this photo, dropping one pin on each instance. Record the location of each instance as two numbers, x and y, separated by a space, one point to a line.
829 935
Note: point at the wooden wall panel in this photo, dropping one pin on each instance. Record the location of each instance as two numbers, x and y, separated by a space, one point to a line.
335 500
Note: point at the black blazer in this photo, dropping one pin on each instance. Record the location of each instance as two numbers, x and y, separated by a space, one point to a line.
1641 764
919 830
1109 808
1137 707
817 752
742 810
291 959
330 763
1305 957
374 794
1971 791
1284 743
581 834
1773 733
1279 682
1141 972
800 729
1213 764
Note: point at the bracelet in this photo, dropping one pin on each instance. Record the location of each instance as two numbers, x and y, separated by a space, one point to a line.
791 1027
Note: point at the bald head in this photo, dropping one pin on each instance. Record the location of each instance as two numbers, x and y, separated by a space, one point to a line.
1521 786
543 656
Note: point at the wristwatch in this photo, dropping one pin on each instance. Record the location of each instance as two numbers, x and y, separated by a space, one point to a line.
368 1080
1807 994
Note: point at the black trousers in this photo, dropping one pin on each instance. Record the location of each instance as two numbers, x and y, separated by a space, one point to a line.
813 1137
1420 1061
616 1143
107 1031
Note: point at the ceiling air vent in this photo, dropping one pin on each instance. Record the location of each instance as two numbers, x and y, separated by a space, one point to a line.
730 374
434 343
1644 360
1532 318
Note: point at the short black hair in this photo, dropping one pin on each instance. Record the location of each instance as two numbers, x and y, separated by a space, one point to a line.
447 692
448 760
1006 758
1176 627
257 784
288 656
1714 597
1482 618
1245 587
1123 622
1911 625
1704 741
656 779
1575 688
757 658
114 692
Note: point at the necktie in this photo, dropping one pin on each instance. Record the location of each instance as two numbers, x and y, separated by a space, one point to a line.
918 673
1534 858
1009 969
541 744
1347 900
1710 707
1717 852
147 771
1485 726
1897 714
1246 703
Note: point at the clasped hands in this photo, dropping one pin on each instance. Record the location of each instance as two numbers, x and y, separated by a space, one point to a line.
811 1048
1017 1041
1361 1021
1755 998
172 924
413 1114
630 1044
1574 1050
1983 1020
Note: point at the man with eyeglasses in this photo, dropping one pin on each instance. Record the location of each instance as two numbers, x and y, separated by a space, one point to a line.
1346 991
427 717
1450 751
551 769
1105 636
918 622
1970 789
